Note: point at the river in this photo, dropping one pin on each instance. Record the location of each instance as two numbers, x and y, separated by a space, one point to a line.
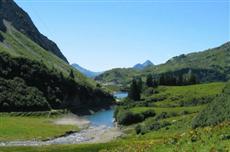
101 129
102 118
120 95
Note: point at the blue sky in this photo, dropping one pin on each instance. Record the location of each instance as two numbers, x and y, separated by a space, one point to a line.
105 34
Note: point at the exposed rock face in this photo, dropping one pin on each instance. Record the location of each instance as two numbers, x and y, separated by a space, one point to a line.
11 12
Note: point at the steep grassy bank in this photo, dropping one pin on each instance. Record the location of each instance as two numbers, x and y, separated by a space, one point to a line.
47 82
35 75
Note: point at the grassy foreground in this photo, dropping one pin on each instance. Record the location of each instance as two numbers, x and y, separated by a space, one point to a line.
208 139
29 128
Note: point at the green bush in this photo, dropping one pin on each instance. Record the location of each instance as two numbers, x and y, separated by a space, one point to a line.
125 117
216 112
138 129
151 125
184 112
162 115
148 113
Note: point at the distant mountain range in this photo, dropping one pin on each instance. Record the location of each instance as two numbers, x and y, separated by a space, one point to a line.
92 74
209 65
86 72
144 65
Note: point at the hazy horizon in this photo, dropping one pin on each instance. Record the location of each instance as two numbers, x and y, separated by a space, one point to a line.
101 35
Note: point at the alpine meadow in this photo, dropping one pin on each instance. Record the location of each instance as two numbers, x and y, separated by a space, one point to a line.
120 76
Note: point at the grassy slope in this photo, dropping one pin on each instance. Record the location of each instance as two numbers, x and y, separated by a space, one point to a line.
117 76
217 111
217 59
177 137
192 109
207 59
29 128
18 45
175 95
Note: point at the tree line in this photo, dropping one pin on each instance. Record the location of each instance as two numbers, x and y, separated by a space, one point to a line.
167 79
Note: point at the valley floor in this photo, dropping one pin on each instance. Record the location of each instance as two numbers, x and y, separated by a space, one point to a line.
178 106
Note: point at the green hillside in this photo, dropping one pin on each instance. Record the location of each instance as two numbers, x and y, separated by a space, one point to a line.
209 66
18 45
21 21
120 76
217 59
34 79
216 112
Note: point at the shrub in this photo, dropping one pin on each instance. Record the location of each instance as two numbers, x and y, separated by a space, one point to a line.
148 113
158 125
184 112
151 125
162 115
138 129
125 117
173 114
216 111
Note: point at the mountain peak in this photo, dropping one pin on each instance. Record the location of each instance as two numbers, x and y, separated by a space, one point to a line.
147 63
21 21
144 65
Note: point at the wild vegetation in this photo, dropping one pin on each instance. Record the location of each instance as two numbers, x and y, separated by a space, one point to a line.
216 112
164 102
202 118
168 128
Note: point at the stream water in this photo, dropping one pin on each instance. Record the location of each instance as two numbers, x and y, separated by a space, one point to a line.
102 118
120 95
101 129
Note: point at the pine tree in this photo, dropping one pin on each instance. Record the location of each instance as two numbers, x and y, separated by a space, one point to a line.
162 80
149 81
135 90
155 83
139 84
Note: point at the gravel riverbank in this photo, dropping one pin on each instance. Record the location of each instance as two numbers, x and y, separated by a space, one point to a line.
88 134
